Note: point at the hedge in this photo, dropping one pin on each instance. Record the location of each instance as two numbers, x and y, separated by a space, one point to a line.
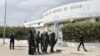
90 31
20 32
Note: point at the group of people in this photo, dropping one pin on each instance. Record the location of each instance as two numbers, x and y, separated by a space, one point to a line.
36 40
42 40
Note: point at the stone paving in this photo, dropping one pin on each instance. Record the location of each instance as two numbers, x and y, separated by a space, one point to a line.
66 51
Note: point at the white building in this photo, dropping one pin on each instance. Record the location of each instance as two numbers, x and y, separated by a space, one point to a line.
37 24
54 18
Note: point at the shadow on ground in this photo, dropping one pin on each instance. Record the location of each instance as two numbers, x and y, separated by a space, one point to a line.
19 49
21 46
58 51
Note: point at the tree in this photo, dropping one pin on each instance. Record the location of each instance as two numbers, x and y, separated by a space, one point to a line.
20 32
72 31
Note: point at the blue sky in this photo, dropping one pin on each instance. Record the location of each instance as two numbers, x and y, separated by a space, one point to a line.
19 10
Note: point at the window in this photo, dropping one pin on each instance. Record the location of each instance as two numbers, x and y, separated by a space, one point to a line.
49 13
45 14
76 7
80 20
54 11
65 8
57 10
38 23
60 38
97 19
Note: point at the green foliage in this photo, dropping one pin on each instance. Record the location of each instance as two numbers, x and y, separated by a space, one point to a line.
20 32
90 31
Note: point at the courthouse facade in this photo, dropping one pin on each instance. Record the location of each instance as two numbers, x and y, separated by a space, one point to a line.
55 18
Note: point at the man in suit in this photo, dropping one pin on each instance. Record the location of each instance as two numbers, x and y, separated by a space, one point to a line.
31 43
37 38
12 40
45 42
52 42
41 41
81 43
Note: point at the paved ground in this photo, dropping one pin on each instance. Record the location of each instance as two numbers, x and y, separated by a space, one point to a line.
66 51
21 49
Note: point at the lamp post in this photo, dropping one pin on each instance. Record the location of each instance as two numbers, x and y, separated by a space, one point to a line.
4 22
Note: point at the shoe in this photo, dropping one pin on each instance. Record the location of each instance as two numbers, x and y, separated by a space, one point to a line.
85 50
52 51
39 53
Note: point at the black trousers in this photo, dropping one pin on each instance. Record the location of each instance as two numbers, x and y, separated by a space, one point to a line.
45 47
11 45
81 43
37 49
31 50
52 46
41 47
